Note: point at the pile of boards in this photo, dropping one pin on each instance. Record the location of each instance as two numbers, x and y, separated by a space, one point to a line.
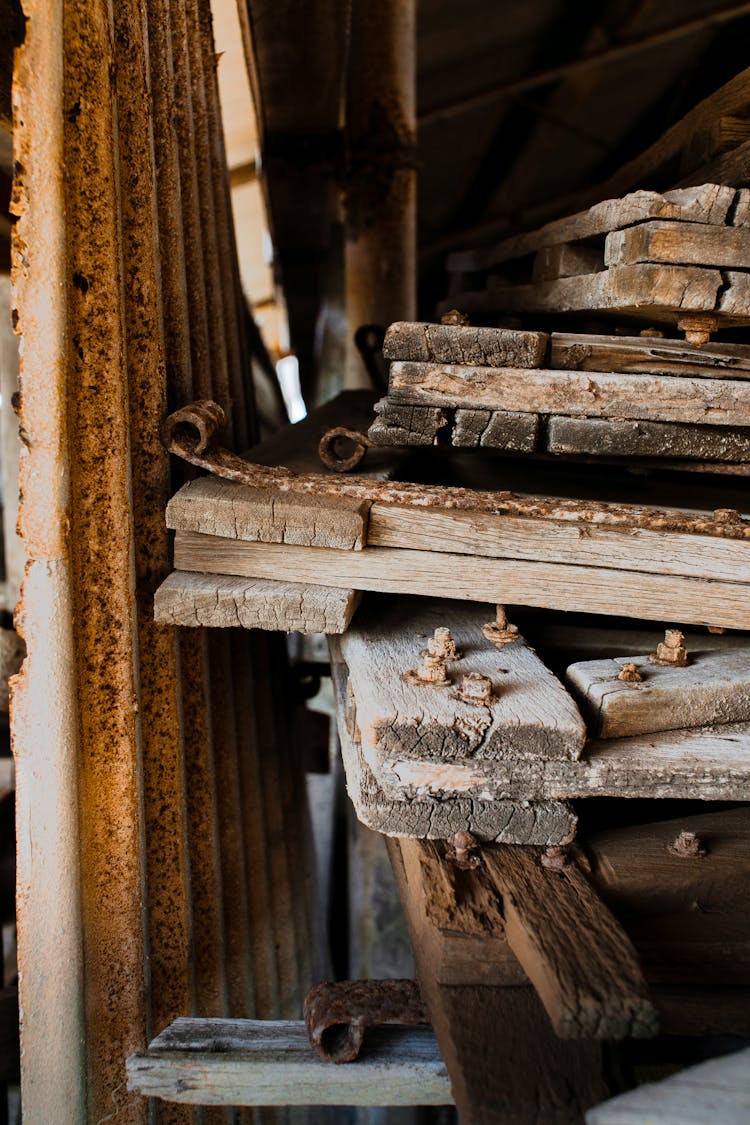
679 260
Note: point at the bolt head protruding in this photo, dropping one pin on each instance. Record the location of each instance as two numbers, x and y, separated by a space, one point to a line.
629 674
555 858
454 317
687 845
671 652
442 646
475 688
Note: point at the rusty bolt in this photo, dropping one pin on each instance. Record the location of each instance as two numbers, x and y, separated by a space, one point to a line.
430 670
656 333
475 688
727 515
698 329
454 317
463 843
499 631
671 652
442 646
555 858
719 630
629 674
687 845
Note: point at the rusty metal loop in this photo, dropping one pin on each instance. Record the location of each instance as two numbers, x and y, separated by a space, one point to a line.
333 460
336 1015
194 428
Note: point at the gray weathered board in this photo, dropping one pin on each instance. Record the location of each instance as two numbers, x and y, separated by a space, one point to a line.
220 601
442 752
529 716
436 816
590 394
708 203
685 444
577 351
714 1091
455 343
237 1062
713 689
552 585
651 292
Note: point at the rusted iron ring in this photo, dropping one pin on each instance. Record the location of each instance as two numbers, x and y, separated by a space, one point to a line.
336 1015
193 429
333 460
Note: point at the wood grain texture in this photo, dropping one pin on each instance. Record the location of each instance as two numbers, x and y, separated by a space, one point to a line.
718 1090
398 423
566 259
575 953
591 394
470 578
221 602
601 437
510 430
713 689
709 203
220 507
499 536
271 1063
432 817
530 714
636 354
697 244
448 343
708 763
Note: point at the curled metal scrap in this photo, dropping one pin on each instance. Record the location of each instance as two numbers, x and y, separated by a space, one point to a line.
336 1015
191 433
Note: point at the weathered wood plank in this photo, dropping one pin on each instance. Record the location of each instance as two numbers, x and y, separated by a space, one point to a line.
432 817
709 203
575 953
271 1062
717 1090
713 689
404 424
589 394
470 578
221 507
511 430
635 354
601 437
222 602
529 715
500 536
566 259
452 343
686 244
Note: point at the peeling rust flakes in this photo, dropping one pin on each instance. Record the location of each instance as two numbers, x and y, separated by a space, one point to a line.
336 1015
191 433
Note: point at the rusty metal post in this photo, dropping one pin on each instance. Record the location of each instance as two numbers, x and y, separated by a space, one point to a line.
381 187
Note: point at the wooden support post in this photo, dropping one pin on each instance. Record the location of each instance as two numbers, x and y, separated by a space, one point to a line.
380 199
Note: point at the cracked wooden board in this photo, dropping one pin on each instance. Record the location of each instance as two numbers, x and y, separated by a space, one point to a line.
586 394
712 690
435 817
577 351
399 423
549 585
219 507
220 602
699 244
453 343
601 437
708 203
529 715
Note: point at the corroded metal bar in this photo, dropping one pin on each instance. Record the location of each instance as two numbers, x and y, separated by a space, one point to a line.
194 442
336 1015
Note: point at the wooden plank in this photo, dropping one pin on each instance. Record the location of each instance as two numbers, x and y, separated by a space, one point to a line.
645 290
565 259
720 136
221 602
510 430
588 394
470 578
529 715
270 1063
687 244
709 203
637 354
406 424
453 343
535 1077
399 423
717 1090
221 507
576 955
713 689
601 437
432 817
499 536
708 763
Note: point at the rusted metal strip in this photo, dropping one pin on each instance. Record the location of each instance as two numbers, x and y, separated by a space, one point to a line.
336 1015
191 432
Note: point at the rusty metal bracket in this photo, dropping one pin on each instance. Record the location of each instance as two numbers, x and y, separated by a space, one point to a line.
336 1015
192 431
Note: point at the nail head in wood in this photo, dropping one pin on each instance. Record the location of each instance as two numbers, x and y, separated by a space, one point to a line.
431 670
463 843
555 858
629 674
475 688
687 845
